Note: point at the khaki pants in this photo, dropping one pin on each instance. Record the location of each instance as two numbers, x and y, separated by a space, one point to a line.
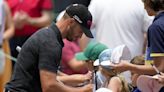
6 74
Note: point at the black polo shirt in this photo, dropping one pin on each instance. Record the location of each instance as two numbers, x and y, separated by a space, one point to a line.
42 50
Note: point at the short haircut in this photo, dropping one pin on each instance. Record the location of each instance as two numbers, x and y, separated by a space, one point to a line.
156 5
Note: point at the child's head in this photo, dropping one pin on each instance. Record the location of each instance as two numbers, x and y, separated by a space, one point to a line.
103 63
113 56
138 60
91 53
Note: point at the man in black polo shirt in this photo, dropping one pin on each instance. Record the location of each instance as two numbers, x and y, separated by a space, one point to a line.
39 59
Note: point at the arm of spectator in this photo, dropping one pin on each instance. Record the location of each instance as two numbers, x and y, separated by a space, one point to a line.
159 63
68 57
9 28
42 21
139 69
77 65
50 84
59 73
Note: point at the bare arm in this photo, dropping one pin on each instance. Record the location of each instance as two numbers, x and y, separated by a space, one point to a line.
139 69
142 69
42 21
77 65
159 63
75 79
9 29
50 84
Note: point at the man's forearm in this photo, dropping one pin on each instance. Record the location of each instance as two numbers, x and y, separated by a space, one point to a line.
42 21
72 79
58 87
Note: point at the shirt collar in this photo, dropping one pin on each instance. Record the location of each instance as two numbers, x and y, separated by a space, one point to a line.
160 14
57 31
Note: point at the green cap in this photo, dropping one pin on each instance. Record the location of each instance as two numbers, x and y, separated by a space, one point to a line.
92 51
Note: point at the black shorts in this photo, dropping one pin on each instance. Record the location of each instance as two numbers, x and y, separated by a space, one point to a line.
162 89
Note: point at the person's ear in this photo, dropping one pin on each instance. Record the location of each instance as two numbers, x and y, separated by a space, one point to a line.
71 21
68 27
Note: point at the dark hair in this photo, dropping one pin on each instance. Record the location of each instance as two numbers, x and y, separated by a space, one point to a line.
65 16
156 5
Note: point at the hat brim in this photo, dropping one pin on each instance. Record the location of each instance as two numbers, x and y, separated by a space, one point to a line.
81 56
87 32
96 63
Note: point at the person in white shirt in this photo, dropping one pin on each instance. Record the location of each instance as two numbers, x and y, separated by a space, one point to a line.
6 29
117 22
2 22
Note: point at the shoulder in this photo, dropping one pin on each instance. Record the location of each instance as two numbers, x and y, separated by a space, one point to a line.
159 22
157 27
115 79
43 37
45 34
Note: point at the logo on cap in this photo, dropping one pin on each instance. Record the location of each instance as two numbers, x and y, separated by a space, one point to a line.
77 18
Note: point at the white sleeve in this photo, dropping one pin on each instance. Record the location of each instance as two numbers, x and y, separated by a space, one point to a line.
1 9
147 21
92 8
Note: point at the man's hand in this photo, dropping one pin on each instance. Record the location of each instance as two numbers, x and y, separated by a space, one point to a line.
88 88
20 19
88 76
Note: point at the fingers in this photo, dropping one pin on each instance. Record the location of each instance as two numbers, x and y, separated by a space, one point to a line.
162 73
88 76
161 79
88 88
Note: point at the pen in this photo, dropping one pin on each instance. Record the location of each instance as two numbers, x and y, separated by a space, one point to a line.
155 68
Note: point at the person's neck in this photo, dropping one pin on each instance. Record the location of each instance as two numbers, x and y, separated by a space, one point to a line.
62 28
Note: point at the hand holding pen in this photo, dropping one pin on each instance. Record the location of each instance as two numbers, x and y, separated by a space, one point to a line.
155 68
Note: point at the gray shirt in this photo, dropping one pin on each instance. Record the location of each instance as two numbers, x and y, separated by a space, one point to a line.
42 50
2 20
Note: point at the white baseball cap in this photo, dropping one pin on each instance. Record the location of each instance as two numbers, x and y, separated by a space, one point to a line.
104 90
114 56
